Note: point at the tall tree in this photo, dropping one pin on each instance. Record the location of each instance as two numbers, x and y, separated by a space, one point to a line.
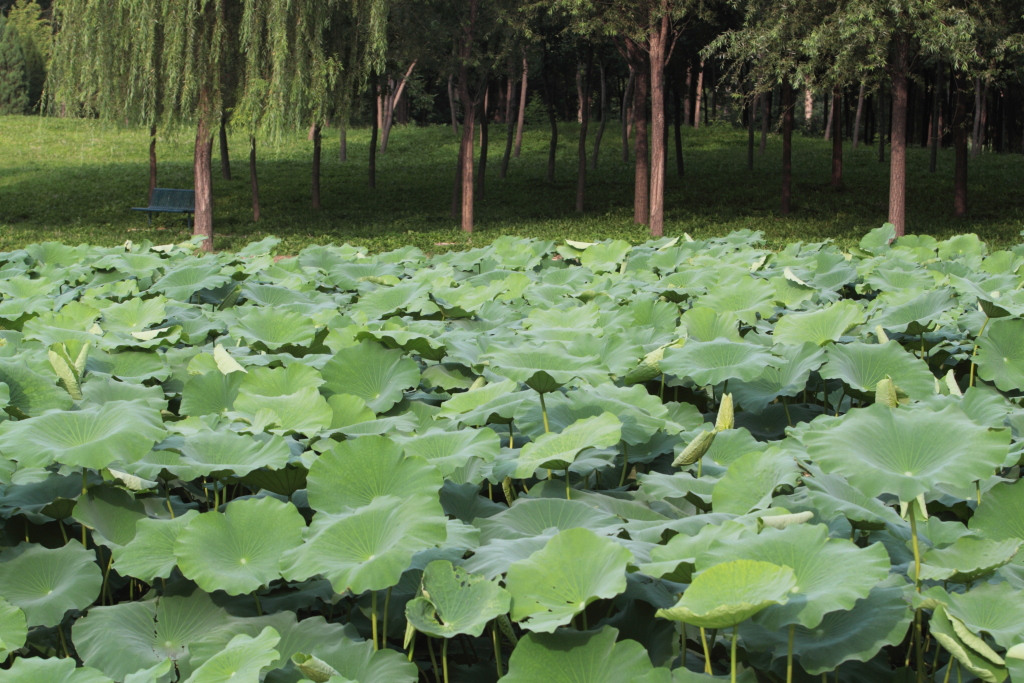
30 25
13 79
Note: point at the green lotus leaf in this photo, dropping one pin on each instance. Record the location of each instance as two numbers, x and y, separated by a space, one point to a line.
919 312
716 361
129 366
206 451
1015 662
272 328
707 324
581 657
34 670
360 662
739 293
241 660
557 582
787 376
239 550
984 609
833 496
185 281
559 450
352 474
831 573
110 513
132 636
907 451
45 583
818 327
135 314
968 559
943 630
862 366
286 398
13 628
210 393
494 402
31 393
448 451
1001 355
367 549
377 375
1002 514
73 322
99 390
546 369
879 620
642 415
150 553
605 257
731 592
421 344
93 437
454 602
395 299
749 482
531 517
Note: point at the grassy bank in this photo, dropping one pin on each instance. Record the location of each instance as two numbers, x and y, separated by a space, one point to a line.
73 181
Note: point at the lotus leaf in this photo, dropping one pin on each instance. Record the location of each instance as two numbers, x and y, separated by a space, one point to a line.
943 630
190 278
749 482
731 592
707 324
743 295
818 327
241 660
968 559
284 397
557 582
377 375
367 549
1002 514
1001 355
713 362
546 369
239 550
210 393
29 392
581 657
150 553
559 450
985 609
271 328
45 583
111 514
914 314
787 375
531 517
862 366
34 669
453 602
134 315
352 474
360 662
13 628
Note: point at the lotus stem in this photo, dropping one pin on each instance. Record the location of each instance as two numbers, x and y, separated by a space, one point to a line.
974 352
433 660
789 654
384 626
568 489
63 641
732 654
949 669
511 436
785 407
444 659
497 649
544 413
661 390
707 651
373 619
959 675
259 605
977 491
625 464
105 588
682 645
916 548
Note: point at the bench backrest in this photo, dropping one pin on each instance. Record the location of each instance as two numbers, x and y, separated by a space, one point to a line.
182 200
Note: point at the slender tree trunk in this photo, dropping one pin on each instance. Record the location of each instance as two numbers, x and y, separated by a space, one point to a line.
469 116
658 42
936 139
808 110
343 140
553 123
456 210
787 146
583 86
859 116
837 139
830 117
225 159
766 115
700 96
603 111
959 126
688 97
626 115
152 160
451 106
201 167
316 166
521 115
980 115
387 112
642 174
481 173
254 183
898 145
510 128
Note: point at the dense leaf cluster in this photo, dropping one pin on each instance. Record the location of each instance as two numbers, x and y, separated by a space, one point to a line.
535 460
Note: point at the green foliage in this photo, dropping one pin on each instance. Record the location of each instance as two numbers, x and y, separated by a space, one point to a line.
13 74
28 22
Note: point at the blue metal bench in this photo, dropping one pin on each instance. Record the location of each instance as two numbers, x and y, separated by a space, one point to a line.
165 200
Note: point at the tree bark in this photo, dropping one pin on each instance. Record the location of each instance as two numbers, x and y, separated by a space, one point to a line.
603 111
583 75
626 116
700 96
469 116
837 139
808 110
859 116
521 115
510 128
316 166
787 147
959 126
642 174
387 111
225 159
203 181
658 52
980 115
830 117
152 160
451 106
898 144
935 137
254 183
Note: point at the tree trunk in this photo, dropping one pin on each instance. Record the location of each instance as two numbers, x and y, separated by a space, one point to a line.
152 160
374 131
980 115
343 140
837 139
253 181
549 91
658 42
626 116
830 117
521 115
935 138
766 115
808 110
898 144
583 87
677 127
481 173
451 106
603 111
387 112
700 96
787 146
316 166
859 116
469 116
510 128
203 181
642 174
225 159
959 126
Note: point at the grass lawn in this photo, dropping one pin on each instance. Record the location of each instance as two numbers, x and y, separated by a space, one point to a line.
73 181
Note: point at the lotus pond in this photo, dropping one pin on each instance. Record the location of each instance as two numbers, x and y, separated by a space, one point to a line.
680 461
